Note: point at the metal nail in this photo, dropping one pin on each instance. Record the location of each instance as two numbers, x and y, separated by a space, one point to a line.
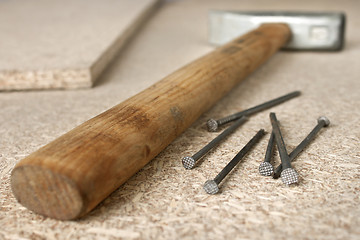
189 162
265 168
213 124
322 122
288 175
212 186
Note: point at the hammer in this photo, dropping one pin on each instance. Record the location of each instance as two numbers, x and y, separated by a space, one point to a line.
68 177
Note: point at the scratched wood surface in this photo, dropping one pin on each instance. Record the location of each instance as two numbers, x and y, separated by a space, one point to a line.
66 45
163 200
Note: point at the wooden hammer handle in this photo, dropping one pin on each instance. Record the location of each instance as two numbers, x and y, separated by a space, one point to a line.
71 175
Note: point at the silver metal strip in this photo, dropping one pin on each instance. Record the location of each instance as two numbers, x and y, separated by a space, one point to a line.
310 31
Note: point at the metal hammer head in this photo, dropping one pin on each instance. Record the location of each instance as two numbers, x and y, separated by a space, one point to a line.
310 31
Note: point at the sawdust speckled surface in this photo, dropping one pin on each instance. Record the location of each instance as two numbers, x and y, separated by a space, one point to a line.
164 201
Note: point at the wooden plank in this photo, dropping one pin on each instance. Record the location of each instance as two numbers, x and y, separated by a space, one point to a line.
57 44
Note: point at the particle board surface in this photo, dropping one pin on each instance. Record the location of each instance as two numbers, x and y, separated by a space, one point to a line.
164 201
63 44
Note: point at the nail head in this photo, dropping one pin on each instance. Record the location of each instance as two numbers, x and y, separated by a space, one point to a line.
211 187
212 125
188 162
266 169
325 119
289 176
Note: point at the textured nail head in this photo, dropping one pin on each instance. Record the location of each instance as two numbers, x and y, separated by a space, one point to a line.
211 187
325 119
266 169
188 162
212 125
289 176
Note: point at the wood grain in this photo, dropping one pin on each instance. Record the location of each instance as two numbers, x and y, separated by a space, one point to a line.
71 175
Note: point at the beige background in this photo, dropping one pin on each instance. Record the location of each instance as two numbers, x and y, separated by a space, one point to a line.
63 44
163 201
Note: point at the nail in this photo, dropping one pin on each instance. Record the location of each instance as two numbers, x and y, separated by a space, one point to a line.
189 162
265 168
213 124
322 122
288 175
212 186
